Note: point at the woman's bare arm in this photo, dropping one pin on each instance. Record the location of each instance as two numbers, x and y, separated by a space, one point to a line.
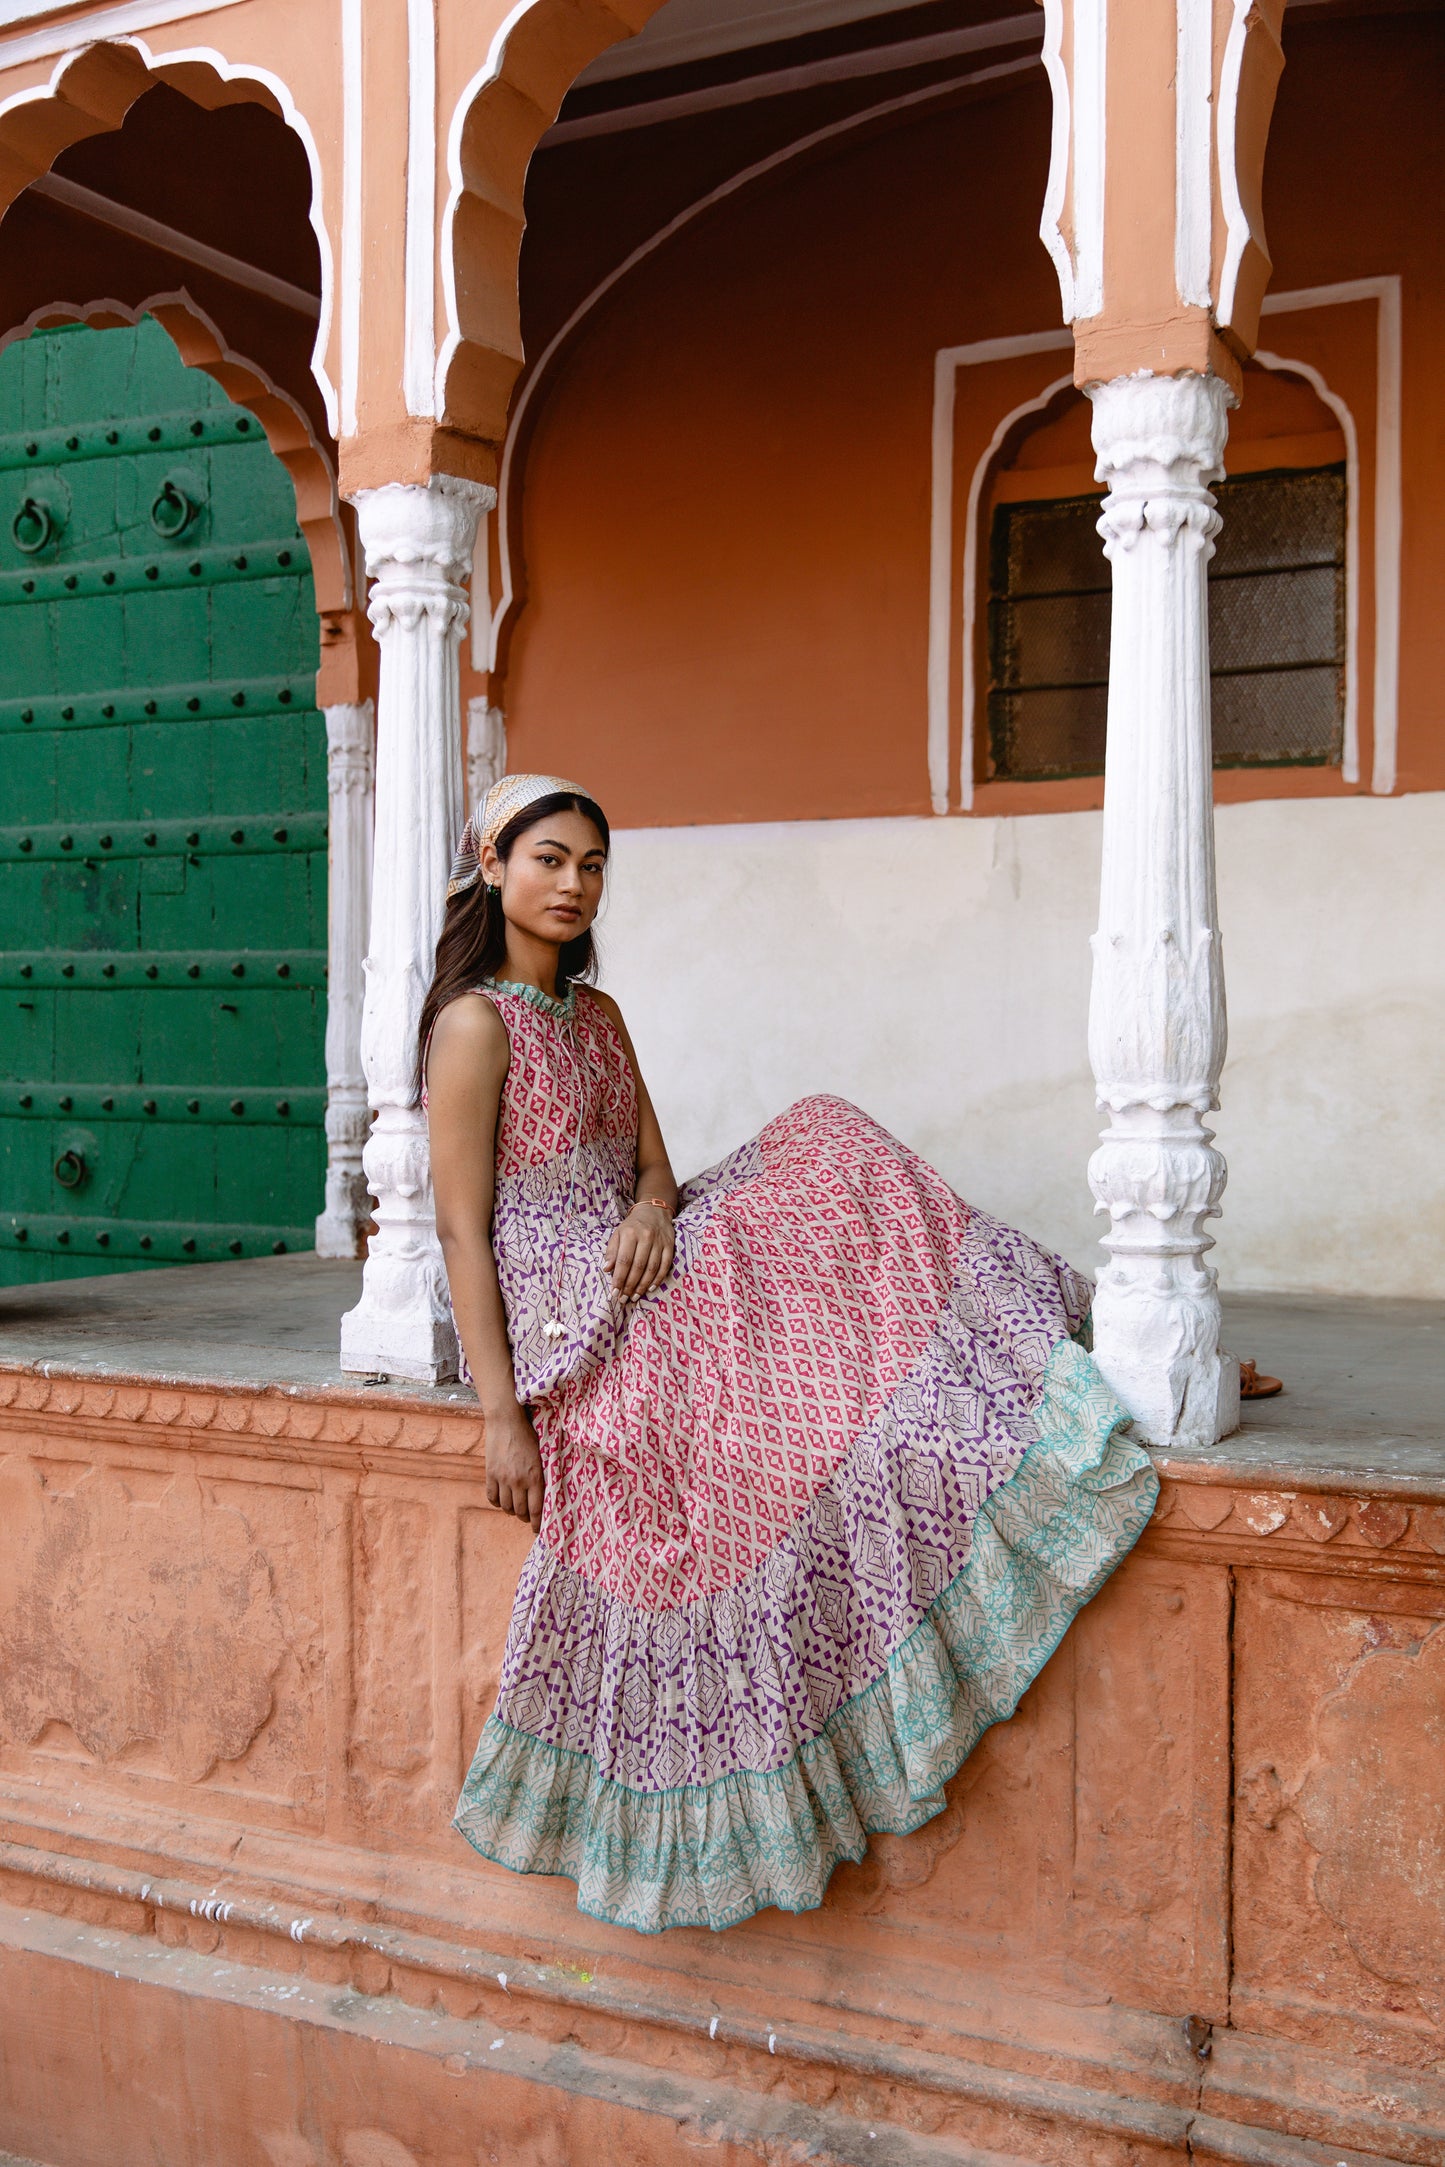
466 1069
640 1253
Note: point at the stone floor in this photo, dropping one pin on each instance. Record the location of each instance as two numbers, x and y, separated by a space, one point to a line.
1365 1380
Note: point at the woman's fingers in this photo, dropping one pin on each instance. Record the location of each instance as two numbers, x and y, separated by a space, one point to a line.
534 1504
631 1261
638 1258
644 1263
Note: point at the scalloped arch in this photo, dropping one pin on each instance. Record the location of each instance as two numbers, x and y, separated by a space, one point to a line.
93 87
201 345
537 53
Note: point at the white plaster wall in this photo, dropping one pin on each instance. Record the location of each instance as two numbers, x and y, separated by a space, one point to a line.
937 972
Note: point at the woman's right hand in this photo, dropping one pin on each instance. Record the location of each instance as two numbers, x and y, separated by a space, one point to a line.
514 1465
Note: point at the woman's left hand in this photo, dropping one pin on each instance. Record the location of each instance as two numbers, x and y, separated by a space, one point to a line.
639 1255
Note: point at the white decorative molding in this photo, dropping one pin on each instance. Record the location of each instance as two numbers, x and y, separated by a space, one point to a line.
1090 146
783 82
121 218
228 72
487 73
1350 750
1075 56
946 364
1156 1016
1061 135
486 749
113 22
418 540
1193 151
350 771
1389 510
419 256
352 182
1236 220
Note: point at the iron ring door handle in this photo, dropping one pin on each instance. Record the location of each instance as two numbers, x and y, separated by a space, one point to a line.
173 509
33 526
70 1169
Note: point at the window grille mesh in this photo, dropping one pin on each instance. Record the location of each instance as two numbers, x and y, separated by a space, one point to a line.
1276 629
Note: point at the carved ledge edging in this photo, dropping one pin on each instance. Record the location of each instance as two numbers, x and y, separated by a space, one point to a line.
894 2080
261 1414
615 2016
1348 1523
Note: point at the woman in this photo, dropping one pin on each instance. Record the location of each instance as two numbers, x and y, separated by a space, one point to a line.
818 1466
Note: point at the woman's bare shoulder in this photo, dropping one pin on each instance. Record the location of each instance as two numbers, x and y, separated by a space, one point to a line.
470 1027
606 1003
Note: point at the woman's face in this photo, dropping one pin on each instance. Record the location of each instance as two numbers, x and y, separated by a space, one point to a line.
552 882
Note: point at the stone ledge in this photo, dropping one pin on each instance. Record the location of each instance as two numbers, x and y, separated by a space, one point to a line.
307 2044
1268 2095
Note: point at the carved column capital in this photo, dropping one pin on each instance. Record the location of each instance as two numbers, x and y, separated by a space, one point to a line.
1160 431
418 540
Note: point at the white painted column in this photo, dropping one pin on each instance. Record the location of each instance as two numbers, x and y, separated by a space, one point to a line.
349 769
418 542
486 749
1156 1018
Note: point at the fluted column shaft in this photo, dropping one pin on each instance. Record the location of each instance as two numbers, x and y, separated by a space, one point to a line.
418 541
350 730
1156 1017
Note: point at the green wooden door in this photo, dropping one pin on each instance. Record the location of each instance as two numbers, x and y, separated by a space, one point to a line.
162 820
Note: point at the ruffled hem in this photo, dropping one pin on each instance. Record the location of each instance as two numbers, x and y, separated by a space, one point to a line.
712 1854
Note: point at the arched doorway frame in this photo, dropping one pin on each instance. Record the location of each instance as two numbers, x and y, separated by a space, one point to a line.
92 87
201 344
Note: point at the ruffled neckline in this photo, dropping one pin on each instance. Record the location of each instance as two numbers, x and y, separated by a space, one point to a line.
546 1003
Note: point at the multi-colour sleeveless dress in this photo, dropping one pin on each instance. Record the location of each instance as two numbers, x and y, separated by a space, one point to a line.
818 1508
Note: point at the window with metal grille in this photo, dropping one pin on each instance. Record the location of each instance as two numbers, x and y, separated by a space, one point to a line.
1276 629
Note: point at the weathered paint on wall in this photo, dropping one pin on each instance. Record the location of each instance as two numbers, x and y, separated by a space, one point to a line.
937 973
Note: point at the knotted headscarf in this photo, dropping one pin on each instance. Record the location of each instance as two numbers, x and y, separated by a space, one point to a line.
508 796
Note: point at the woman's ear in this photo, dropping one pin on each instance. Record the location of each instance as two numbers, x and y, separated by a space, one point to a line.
491 865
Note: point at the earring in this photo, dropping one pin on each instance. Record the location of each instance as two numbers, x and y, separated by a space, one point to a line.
491 891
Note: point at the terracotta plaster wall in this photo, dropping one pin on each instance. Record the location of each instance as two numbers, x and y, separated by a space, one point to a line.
721 522
246 1641
725 504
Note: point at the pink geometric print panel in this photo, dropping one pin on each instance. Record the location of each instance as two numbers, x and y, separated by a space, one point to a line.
559 1081
674 1468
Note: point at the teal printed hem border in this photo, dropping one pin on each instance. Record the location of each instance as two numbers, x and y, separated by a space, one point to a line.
713 1854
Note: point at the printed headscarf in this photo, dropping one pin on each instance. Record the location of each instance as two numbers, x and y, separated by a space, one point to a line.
508 796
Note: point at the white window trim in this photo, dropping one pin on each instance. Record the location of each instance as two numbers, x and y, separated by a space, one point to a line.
950 360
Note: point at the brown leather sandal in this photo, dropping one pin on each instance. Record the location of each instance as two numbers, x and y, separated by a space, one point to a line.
1254 1387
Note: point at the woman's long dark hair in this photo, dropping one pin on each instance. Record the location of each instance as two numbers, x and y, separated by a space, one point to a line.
472 944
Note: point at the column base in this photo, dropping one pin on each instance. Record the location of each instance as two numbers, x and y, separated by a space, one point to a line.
400 1330
1163 1360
